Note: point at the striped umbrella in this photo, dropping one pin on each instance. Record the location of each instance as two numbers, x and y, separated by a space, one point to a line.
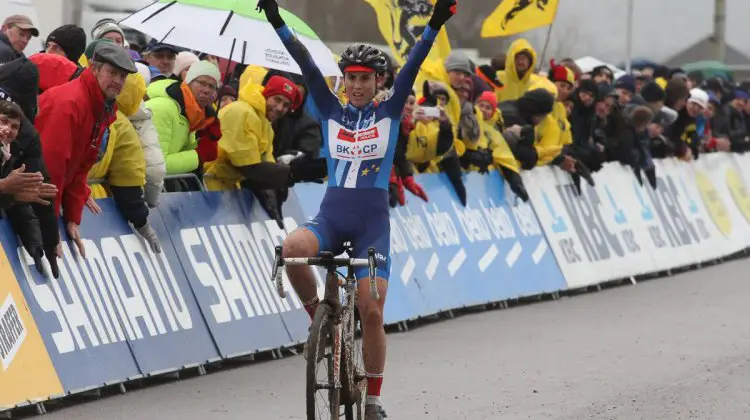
230 29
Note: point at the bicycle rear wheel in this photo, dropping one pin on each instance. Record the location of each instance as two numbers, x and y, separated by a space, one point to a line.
323 399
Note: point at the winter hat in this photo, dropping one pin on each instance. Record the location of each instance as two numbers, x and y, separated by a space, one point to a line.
488 97
184 60
536 102
203 68
457 61
603 91
145 72
589 86
626 82
278 85
559 73
72 40
227 90
104 27
602 69
740 93
698 97
135 55
677 72
54 70
652 92
489 75
713 99
19 83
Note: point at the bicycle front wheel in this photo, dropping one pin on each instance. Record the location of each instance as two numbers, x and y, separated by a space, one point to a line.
323 398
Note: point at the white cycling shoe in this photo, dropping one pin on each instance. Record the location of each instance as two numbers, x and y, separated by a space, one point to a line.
374 412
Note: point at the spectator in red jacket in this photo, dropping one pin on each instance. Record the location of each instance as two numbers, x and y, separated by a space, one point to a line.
72 120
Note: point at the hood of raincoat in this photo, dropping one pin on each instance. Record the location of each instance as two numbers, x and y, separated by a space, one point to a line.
131 97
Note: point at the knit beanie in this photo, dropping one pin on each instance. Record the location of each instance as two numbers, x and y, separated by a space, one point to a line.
536 102
104 27
145 72
184 60
278 85
589 86
488 97
652 92
626 82
203 68
457 61
72 40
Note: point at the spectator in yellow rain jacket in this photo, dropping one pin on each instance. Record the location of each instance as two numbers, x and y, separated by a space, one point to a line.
246 145
122 164
518 75
497 148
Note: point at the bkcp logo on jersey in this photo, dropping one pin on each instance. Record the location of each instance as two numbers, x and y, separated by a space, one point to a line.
365 144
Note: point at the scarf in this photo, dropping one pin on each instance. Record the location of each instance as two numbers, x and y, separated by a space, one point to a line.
195 114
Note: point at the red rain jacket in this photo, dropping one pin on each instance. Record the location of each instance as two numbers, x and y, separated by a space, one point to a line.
72 121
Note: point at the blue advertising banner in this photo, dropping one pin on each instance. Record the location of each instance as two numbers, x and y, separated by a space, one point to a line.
225 256
121 312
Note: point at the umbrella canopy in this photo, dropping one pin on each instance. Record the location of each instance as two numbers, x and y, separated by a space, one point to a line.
230 29
588 64
709 68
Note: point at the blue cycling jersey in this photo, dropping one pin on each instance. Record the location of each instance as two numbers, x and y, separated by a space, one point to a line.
359 143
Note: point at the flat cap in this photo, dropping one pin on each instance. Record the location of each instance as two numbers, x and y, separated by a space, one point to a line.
108 52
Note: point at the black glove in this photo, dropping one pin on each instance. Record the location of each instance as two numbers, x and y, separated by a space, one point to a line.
444 10
272 12
638 176
303 170
515 182
480 158
51 255
393 195
37 254
269 203
651 176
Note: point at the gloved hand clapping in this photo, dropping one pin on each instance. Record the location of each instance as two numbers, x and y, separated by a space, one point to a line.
149 234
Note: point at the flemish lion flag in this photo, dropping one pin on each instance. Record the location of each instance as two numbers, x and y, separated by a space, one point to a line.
402 22
515 16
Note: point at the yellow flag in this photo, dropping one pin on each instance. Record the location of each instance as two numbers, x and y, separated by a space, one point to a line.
516 16
402 23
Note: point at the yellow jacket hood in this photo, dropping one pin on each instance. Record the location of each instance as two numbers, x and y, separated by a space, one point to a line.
517 47
131 97
252 95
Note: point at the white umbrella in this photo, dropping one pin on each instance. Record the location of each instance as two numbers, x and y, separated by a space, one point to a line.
230 29
587 64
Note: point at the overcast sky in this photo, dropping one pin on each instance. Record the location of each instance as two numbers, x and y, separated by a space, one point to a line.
661 28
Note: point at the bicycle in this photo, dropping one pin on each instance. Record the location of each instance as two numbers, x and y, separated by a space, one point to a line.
332 336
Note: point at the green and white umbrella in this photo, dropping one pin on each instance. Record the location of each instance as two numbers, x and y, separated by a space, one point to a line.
230 29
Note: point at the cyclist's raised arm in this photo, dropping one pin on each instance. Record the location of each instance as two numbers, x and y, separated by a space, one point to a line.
444 10
324 99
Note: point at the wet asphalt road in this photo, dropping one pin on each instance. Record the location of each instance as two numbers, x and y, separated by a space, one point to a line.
672 348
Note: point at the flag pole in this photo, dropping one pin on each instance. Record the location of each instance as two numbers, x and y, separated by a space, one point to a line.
546 45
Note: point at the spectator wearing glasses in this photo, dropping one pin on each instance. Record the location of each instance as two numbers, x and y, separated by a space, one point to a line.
161 59
68 41
15 34
181 109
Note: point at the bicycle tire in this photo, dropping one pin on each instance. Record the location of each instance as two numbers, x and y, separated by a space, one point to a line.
353 378
321 329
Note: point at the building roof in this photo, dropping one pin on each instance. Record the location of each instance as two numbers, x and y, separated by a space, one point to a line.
704 50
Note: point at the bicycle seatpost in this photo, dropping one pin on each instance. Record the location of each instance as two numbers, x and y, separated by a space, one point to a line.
373 265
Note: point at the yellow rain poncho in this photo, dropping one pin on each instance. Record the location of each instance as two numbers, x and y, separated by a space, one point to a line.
247 139
123 163
514 87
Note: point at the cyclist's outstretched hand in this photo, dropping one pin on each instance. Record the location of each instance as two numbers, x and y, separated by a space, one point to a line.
271 7
444 10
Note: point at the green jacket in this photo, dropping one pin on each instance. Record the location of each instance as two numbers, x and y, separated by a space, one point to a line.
177 142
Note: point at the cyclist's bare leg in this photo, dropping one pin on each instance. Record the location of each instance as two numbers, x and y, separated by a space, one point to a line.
302 243
373 334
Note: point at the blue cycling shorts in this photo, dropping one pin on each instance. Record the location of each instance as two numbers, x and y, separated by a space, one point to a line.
357 215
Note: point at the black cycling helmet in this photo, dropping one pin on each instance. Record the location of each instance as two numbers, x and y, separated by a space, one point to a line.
363 55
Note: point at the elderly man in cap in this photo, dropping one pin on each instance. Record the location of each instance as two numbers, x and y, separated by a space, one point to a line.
15 34
72 120
161 57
